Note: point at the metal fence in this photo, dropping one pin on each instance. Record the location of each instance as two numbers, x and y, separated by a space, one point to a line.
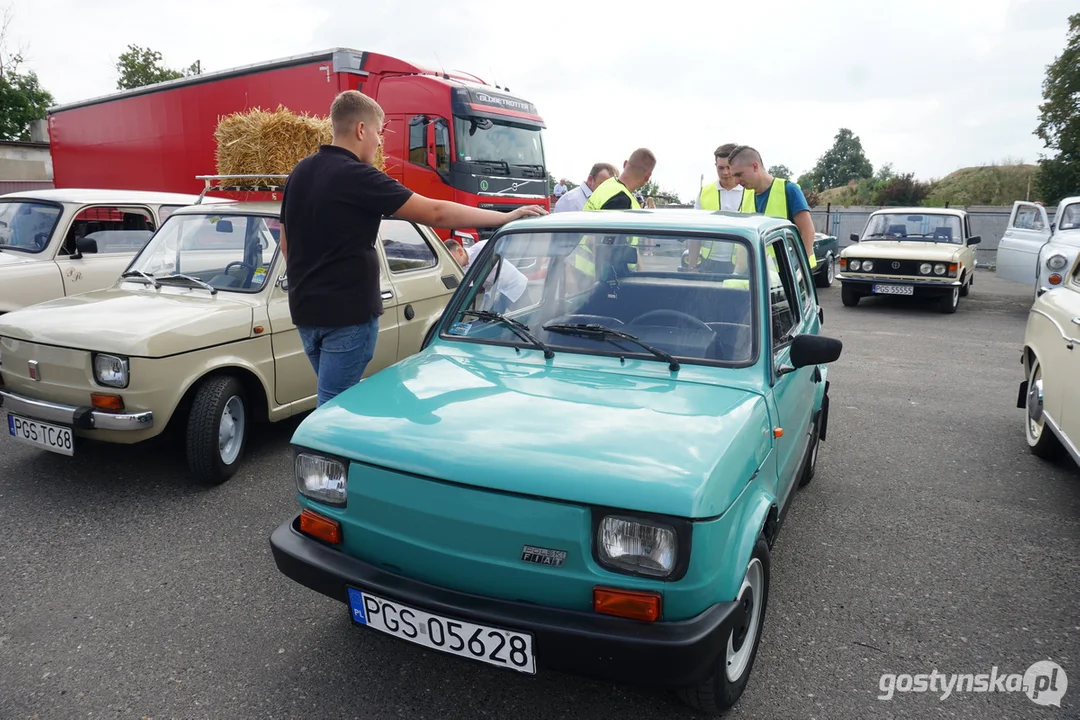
986 221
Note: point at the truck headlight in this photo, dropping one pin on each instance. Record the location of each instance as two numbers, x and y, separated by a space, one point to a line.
111 370
1056 262
321 478
637 546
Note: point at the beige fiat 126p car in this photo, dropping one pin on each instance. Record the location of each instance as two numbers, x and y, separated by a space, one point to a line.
924 253
59 242
196 334
1050 391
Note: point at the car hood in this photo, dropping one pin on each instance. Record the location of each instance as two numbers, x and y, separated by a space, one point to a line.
903 250
141 324
582 435
13 257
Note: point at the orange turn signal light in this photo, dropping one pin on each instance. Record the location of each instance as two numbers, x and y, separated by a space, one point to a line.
632 604
1055 279
778 432
101 401
843 263
320 527
953 267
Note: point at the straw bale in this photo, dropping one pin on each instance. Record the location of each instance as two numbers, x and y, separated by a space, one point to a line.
259 141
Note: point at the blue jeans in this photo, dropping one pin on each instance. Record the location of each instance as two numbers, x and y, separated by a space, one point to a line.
339 355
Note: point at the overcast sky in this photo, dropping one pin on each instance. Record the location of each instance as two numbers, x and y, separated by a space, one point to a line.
929 85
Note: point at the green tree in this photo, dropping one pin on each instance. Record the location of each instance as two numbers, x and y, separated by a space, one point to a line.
22 98
843 162
780 171
142 66
651 189
1059 122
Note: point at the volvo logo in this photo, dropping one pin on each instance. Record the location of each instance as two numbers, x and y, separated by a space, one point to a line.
895 265
34 373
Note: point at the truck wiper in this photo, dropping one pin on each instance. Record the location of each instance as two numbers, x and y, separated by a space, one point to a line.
602 331
538 168
197 281
520 329
139 273
501 163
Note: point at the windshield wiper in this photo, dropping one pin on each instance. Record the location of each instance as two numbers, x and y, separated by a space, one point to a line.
140 274
520 329
197 281
501 163
602 331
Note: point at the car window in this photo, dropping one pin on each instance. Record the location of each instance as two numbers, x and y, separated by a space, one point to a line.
27 226
115 229
783 305
795 258
1070 217
405 248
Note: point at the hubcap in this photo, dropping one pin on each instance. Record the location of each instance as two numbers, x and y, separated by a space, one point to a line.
741 642
829 271
231 430
955 295
1035 404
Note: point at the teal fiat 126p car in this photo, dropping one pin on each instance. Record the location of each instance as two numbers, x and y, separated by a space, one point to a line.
585 468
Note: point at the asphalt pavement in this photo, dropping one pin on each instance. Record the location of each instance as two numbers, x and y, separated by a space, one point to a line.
930 539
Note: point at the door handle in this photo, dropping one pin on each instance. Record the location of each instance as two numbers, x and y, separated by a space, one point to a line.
387 294
1076 320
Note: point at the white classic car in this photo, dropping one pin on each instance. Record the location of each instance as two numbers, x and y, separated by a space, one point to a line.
1050 392
60 242
1036 251
914 252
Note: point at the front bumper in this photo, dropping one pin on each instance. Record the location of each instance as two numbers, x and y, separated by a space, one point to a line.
671 654
922 287
80 418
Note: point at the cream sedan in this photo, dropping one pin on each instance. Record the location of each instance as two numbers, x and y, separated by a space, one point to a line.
60 242
912 252
197 334
1050 392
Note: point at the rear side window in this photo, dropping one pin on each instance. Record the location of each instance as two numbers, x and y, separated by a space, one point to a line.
405 248
115 229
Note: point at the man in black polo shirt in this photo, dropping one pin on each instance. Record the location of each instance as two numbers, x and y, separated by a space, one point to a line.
331 209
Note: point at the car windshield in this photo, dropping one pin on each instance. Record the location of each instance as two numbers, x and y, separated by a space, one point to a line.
27 226
922 227
230 252
1070 217
480 139
612 294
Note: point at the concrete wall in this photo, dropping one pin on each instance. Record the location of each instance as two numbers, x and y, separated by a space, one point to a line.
25 162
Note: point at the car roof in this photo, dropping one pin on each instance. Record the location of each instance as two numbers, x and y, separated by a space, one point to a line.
100 195
660 219
956 212
232 207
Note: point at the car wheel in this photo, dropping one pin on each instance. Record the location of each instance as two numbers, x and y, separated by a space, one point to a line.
825 277
217 429
965 289
811 461
948 303
849 296
1040 439
732 670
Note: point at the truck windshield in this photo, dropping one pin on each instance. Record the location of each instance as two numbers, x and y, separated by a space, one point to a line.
480 139
27 226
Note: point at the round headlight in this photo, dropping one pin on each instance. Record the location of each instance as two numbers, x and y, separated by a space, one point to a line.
1056 262
867 265
854 264
939 269
925 268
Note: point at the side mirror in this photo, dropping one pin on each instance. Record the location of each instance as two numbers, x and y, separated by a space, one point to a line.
85 245
223 226
431 146
854 237
814 350
974 240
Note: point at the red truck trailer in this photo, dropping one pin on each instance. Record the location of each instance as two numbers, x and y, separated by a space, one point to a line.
450 136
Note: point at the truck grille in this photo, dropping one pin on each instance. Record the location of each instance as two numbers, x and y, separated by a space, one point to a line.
503 207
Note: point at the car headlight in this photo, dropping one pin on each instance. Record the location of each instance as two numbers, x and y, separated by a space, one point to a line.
637 546
925 268
867 265
1056 262
111 370
854 264
321 478
939 269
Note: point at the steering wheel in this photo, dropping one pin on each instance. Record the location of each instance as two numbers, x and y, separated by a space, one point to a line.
681 319
243 265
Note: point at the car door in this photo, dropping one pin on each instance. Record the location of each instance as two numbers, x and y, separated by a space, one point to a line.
424 276
118 232
792 391
1066 373
294 378
1018 252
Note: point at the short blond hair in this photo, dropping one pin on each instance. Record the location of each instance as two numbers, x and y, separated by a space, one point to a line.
351 107
642 160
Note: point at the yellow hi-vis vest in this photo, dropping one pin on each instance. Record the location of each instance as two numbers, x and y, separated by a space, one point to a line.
709 199
775 206
604 192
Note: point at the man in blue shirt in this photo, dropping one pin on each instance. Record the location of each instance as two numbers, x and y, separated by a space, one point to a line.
762 190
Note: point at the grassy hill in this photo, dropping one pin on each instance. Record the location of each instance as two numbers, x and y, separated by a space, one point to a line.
981 185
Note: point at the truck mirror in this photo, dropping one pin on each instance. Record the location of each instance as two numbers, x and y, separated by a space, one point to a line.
431 146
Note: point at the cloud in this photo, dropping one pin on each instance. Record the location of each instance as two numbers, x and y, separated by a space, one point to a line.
927 85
